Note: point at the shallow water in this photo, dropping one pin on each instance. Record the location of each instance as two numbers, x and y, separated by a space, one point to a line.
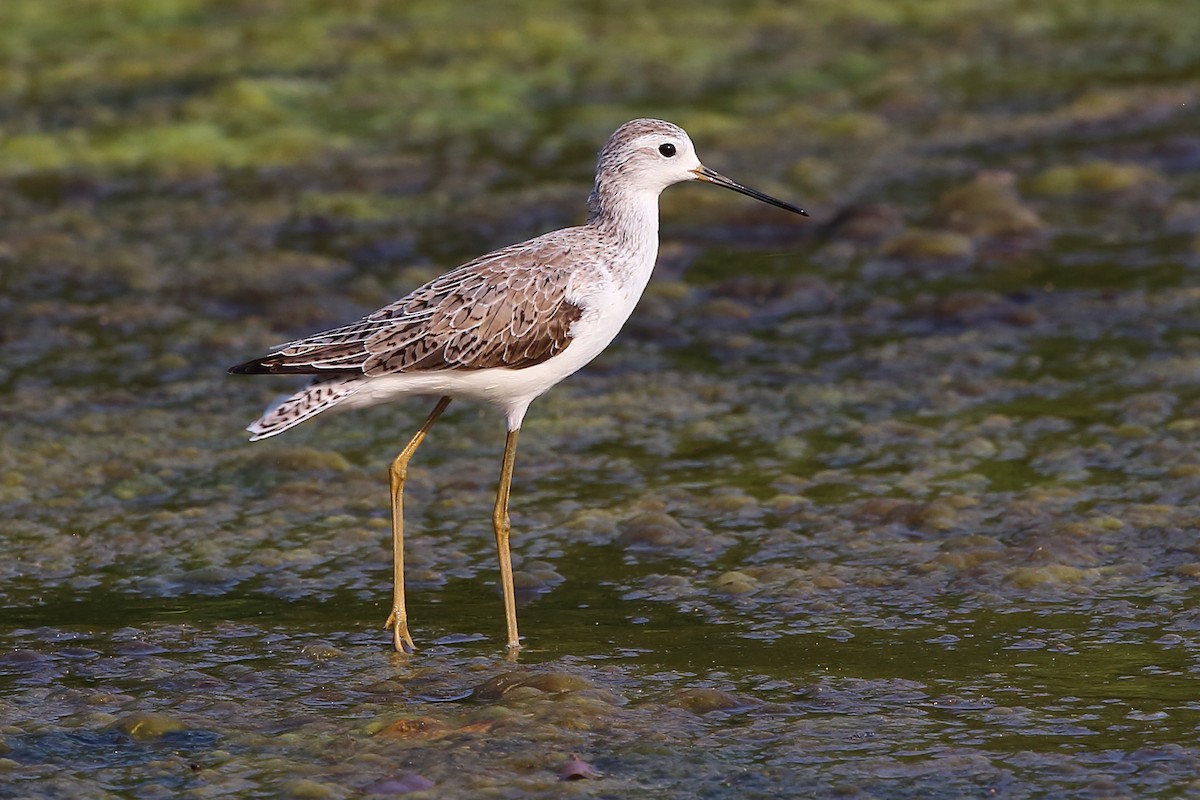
900 501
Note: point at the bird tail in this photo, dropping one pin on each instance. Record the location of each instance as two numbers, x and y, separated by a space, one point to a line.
320 395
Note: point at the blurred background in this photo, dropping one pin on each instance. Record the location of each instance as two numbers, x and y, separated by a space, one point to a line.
899 500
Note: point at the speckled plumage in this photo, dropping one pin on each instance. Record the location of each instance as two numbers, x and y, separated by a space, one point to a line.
510 310
505 310
503 328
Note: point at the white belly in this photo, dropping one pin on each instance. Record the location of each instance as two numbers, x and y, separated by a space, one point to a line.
605 310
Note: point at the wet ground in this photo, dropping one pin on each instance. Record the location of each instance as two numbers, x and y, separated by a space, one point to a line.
900 501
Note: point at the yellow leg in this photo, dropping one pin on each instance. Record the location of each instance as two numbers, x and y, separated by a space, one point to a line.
398 619
501 523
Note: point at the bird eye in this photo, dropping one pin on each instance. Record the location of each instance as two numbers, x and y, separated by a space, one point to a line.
667 149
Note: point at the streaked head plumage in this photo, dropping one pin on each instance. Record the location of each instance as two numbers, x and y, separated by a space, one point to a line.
645 156
648 154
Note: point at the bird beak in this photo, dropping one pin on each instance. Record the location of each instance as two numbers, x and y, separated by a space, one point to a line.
707 175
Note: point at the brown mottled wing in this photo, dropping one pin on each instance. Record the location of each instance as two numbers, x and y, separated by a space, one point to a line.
506 309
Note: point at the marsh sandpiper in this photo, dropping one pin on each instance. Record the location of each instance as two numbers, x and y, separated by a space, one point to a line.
501 329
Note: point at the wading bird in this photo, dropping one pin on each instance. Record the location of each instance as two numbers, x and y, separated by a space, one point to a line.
501 329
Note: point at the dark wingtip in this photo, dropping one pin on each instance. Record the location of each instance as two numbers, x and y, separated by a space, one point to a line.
250 368
275 365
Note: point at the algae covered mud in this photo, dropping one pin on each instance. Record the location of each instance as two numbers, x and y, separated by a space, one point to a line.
902 502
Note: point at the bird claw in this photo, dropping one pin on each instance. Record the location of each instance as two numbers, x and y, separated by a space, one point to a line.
401 639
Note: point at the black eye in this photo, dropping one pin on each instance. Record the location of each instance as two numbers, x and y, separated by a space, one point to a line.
667 149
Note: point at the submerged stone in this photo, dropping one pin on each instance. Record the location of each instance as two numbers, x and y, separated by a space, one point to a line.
320 651
706 700
403 783
867 223
652 529
988 206
1029 577
415 728
305 789
544 682
577 769
921 244
149 725
735 583
1095 177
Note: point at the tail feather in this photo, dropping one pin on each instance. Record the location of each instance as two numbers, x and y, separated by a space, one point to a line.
320 395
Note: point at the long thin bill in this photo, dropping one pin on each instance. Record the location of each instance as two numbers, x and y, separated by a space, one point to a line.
712 176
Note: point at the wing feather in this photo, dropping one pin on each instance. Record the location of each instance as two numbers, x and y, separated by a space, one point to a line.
506 309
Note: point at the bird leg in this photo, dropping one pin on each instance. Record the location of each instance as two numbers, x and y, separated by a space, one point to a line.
398 619
502 525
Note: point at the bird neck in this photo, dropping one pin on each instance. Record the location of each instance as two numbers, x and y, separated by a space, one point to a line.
630 215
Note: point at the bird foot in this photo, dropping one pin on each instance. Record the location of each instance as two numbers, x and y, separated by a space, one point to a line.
401 639
512 650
